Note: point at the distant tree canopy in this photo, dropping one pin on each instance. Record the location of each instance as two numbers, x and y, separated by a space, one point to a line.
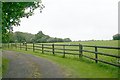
22 37
116 37
13 11
40 37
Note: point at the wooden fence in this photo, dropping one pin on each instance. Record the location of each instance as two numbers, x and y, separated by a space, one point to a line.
64 49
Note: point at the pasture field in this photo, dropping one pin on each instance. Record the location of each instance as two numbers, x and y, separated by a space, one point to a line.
81 67
48 49
112 43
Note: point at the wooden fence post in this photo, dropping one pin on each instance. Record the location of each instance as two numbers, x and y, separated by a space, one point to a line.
26 46
42 48
16 45
80 50
53 49
33 47
8 44
63 51
96 56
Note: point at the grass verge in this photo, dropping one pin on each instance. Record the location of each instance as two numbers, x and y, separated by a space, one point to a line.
4 65
78 68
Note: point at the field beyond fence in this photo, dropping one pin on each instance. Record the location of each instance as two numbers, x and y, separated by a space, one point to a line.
104 54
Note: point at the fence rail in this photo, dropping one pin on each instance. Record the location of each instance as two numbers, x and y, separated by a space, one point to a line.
77 50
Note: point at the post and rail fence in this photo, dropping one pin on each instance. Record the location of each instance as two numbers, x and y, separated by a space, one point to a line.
63 49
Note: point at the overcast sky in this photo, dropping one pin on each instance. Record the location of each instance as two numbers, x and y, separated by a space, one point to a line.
74 19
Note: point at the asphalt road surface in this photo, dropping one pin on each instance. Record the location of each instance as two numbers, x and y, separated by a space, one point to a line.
28 66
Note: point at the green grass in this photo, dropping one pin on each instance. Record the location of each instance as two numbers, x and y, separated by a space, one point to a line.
5 65
83 68
113 43
0 67
0 62
78 68
98 43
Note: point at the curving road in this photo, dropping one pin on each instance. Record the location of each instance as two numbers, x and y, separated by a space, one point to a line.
28 66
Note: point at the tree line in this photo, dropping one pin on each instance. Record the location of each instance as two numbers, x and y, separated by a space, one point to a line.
40 37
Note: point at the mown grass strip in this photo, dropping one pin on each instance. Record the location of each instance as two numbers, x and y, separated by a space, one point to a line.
5 65
82 68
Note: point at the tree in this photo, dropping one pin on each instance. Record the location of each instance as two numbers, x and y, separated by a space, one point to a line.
51 39
38 36
22 36
45 38
116 37
19 37
58 39
13 11
67 40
